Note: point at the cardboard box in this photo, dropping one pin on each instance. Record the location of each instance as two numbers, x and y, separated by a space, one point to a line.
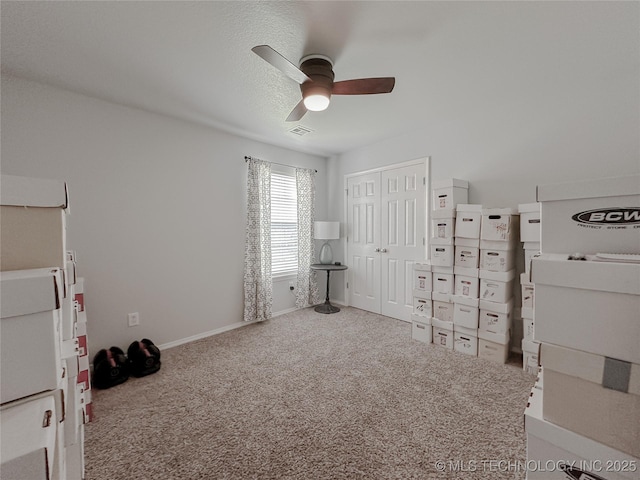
496 286
442 333
466 281
467 242
530 353
30 357
528 291
500 224
422 277
28 438
493 346
528 329
32 223
441 255
468 220
528 256
442 307
465 311
443 281
443 226
421 328
551 449
497 260
449 193
601 298
495 317
79 295
466 256
608 407
422 305
465 340
591 216
529 222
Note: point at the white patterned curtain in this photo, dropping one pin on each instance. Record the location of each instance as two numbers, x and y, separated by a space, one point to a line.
307 285
258 290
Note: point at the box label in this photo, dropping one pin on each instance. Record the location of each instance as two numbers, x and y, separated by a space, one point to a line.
620 217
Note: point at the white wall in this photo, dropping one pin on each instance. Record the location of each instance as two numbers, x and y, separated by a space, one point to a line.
580 119
157 208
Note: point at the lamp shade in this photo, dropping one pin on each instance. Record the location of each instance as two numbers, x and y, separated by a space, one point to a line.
326 230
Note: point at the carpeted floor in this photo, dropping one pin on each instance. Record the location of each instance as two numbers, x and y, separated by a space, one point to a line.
312 396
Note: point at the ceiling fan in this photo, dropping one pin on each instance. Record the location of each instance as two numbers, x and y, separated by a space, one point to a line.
315 77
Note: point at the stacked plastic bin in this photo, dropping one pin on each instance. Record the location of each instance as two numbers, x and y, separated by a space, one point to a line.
530 238
583 418
433 282
43 407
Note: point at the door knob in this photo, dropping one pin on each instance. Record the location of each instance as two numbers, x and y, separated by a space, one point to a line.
377 250
384 250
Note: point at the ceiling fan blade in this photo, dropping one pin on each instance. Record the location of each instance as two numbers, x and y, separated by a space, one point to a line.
364 86
298 112
285 66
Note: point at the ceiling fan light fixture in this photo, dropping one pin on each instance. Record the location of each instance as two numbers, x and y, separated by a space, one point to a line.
316 102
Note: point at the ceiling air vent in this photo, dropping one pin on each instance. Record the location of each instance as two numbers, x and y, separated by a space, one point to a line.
300 130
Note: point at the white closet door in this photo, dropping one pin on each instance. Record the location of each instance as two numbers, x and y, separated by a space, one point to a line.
402 232
363 219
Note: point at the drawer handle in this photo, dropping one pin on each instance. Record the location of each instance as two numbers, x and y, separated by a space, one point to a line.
46 421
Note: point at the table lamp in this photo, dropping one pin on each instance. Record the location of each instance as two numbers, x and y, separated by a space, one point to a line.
326 231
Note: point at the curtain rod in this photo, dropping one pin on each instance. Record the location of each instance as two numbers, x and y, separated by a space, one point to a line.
247 158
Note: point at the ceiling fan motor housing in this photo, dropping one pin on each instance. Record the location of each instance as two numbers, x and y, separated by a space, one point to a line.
320 71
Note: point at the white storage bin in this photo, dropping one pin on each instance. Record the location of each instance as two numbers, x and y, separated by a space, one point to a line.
468 220
465 311
421 328
422 277
495 317
442 307
579 216
442 333
528 291
441 255
500 224
530 350
449 193
465 340
600 298
443 226
531 249
422 305
497 260
466 282
529 222
443 280
466 256
30 317
496 286
493 346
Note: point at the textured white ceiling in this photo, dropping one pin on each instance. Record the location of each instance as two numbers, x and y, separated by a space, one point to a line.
193 60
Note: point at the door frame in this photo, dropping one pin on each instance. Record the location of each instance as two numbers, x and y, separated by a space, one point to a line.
426 161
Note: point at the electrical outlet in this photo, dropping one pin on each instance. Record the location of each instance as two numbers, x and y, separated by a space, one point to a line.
292 286
134 319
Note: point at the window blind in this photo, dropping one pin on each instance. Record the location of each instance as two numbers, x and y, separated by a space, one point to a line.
284 225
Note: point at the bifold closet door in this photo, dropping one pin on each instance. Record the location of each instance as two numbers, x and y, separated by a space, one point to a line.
386 229
363 219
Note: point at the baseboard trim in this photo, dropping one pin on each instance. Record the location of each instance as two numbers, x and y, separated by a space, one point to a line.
200 336
282 312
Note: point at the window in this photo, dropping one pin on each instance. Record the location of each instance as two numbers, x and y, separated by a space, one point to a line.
284 225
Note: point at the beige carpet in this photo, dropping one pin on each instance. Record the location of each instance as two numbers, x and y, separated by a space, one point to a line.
311 396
